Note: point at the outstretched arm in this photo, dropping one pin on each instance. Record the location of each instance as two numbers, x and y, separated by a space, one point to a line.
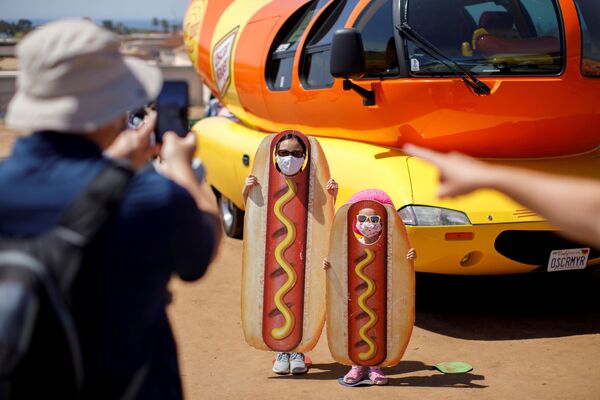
572 204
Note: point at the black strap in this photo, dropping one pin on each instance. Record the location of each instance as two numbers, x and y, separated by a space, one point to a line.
94 205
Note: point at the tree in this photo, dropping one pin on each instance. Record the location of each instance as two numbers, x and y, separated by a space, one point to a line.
121 29
155 23
6 28
107 24
23 25
165 25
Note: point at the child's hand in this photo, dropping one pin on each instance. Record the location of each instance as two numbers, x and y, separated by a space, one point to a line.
326 264
332 188
411 255
250 181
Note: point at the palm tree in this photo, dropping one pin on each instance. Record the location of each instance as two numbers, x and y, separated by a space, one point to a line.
108 24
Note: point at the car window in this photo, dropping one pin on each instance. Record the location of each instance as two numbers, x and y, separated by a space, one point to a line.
589 19
377 30
281 55
314 70
520 37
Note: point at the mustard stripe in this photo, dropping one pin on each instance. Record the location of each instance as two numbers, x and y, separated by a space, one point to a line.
285 330
367 355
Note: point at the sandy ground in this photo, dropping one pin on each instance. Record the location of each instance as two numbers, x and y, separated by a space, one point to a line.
527 337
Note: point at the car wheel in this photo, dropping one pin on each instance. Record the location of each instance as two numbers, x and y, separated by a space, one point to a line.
232 217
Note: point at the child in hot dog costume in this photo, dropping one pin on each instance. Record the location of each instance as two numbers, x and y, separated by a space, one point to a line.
370 287
289 211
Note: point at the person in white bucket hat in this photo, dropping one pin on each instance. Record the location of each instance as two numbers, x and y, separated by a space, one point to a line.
73 94
73 79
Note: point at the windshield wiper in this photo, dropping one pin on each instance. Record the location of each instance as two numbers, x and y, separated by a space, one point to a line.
477 86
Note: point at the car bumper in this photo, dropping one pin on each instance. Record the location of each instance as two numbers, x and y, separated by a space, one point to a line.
488 249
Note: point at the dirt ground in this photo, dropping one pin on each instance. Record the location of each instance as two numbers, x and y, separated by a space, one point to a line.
527 337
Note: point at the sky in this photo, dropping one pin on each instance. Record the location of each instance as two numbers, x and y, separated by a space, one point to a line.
96 9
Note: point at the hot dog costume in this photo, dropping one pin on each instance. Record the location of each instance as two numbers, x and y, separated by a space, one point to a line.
286 226
370 290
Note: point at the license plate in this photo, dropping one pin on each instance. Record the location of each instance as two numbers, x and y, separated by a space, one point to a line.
562 260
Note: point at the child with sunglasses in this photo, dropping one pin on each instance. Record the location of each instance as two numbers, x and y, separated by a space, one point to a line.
368 227
290 153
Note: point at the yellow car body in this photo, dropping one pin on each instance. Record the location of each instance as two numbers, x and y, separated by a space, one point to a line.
501 236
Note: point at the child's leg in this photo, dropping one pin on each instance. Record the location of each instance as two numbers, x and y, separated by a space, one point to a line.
377 376
355 374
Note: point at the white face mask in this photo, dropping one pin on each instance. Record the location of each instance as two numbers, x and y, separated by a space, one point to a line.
289 165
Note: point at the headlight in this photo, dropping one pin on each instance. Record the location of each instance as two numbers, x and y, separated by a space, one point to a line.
432 216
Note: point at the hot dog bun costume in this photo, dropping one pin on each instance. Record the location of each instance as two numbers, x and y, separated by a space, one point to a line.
286 230
370 289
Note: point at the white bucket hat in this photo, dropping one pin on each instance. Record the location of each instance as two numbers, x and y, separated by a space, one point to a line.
74 79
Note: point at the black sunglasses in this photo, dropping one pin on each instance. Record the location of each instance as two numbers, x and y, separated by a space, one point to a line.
294 153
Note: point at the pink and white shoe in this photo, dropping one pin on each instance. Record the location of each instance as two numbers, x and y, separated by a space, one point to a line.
356 374
377 376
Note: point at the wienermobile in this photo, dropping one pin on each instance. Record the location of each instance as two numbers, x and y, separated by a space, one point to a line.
512 81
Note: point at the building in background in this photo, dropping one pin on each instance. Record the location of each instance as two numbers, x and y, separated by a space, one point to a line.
166 50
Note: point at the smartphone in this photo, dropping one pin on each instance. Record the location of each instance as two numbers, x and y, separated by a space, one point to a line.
172 109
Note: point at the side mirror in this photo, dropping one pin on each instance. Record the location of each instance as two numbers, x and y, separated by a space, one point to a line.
347 54
348 62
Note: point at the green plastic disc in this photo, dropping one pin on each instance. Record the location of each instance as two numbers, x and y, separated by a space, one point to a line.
453 367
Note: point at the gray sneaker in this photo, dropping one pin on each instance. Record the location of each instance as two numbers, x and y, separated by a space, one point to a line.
282 364
297 364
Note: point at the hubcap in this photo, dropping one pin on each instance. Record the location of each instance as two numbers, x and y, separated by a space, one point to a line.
227 212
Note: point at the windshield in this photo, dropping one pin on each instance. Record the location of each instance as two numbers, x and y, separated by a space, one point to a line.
500 37
589 18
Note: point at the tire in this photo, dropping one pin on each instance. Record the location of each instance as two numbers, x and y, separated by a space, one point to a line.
232 218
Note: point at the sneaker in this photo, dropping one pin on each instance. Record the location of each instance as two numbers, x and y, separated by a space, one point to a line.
355 374
377 376
297 364
282 364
